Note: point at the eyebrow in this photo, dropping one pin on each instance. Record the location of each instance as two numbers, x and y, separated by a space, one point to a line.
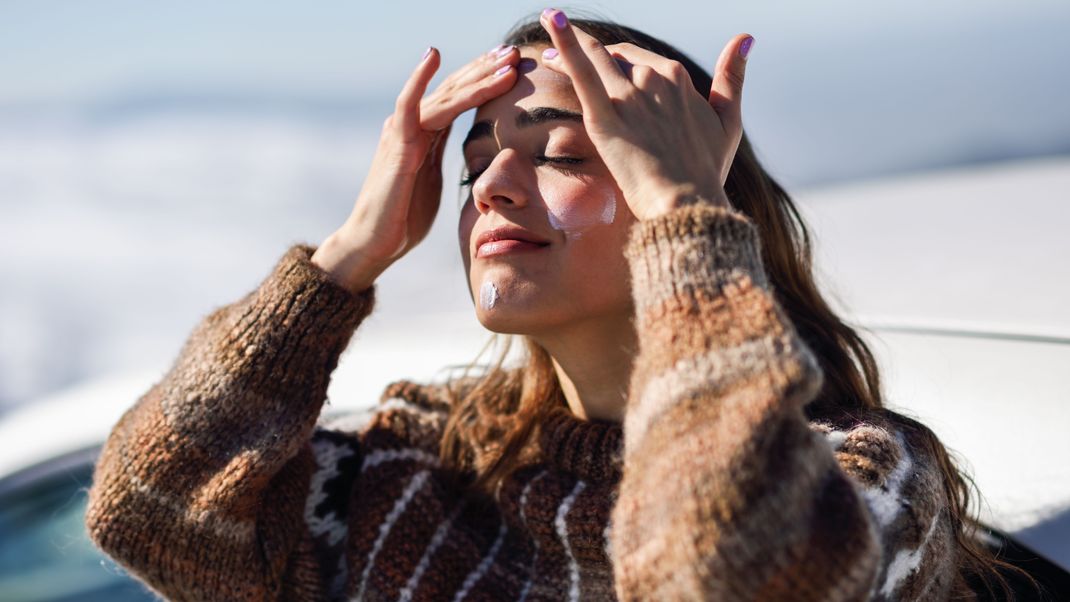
528 118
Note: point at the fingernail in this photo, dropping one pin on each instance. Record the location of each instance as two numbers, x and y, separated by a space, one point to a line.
496 49
560 20
427 53
745 47
549 54
503 70
504 51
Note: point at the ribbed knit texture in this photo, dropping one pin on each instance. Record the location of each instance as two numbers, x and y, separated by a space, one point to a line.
219 485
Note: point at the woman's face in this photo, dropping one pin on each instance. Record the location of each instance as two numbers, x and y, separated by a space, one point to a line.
543 229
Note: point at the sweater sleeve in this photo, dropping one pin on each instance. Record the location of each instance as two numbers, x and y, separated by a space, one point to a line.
727 492
200 488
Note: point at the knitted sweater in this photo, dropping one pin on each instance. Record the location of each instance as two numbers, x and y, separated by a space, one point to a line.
220 485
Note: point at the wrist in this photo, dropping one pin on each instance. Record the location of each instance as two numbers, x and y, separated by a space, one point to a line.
685 197
669 198
345 265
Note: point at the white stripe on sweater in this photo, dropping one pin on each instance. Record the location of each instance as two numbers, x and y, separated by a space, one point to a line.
415 484
524 517
328 455
561 522
425 560
886 502
359 420
906 562
477 574
607 546
381 456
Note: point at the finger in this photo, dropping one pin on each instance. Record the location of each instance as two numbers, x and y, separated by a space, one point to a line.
666 67
478 67
726 93
584 60
438 149
428 182
427 189
407 107
489 80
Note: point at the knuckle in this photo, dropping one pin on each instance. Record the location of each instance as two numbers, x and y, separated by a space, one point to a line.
735 77
591 44
642 75
677 70
631 95
446 98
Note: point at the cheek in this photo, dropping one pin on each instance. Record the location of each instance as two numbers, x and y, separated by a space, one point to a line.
575 208
465 225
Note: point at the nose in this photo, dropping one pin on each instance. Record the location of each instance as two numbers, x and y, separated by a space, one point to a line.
501 186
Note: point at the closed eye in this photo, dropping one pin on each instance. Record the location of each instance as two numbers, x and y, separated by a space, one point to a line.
559 161
471 176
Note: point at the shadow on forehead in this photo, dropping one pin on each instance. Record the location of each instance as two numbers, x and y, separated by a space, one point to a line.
526 65
532 74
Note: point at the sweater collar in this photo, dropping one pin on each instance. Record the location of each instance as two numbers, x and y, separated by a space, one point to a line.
589 449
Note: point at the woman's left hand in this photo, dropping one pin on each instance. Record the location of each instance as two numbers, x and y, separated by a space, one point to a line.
661 140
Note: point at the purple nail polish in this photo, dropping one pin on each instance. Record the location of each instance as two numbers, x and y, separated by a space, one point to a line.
504 50
560 20
427 53
548 12
744 48
549 54
496 49
503 70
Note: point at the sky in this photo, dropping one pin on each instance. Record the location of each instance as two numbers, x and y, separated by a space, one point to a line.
835 89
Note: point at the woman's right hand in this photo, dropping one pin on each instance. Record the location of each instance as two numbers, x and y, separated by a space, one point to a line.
400 197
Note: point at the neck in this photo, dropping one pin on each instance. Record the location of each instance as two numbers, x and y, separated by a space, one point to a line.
593 362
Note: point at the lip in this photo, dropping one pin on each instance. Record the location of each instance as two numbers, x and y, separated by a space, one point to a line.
508 239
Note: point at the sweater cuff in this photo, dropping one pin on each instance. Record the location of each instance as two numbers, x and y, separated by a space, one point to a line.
296 324
693 248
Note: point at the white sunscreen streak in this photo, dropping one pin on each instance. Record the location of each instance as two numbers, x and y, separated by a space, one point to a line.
575 226
488 295
610 210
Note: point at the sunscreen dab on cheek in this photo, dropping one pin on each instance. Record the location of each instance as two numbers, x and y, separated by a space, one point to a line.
609 208
574 219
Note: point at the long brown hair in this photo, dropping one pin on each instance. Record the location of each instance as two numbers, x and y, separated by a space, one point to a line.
477 443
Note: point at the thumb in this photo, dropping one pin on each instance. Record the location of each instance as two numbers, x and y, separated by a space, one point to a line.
726 93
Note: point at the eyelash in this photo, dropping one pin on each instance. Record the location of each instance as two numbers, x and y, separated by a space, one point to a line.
561 163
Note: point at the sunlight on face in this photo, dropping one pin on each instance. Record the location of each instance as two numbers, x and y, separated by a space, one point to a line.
552 216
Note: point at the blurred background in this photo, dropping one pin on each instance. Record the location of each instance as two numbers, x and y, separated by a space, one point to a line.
156 159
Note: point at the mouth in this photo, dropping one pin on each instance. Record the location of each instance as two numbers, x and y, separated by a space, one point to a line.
508 240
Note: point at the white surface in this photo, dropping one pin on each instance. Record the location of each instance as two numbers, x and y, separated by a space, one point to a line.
985 247
83 415
1000 405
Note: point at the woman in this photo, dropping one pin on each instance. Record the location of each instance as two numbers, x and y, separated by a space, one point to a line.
692 422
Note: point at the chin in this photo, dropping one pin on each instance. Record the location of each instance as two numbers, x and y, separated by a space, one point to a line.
507 320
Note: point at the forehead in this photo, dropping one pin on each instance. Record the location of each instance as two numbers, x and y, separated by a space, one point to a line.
536 86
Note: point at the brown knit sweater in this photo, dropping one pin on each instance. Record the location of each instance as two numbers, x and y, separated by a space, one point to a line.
219 484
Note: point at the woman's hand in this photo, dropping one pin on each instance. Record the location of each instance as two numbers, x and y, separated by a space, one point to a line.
400 197
662 141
